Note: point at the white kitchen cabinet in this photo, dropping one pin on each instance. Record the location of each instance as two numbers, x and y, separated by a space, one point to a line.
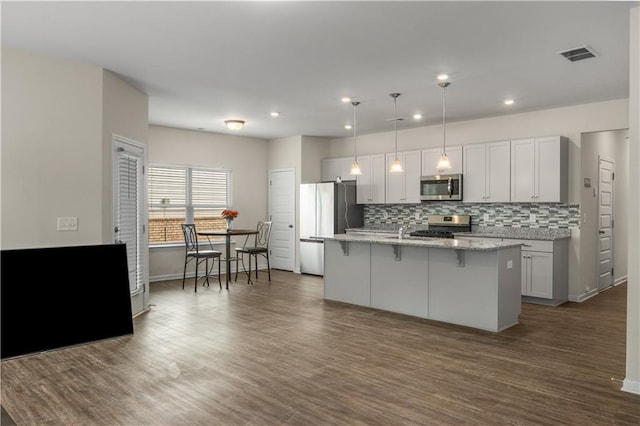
334 167
371 183
431 156
544 271
404 187
486 172
539 170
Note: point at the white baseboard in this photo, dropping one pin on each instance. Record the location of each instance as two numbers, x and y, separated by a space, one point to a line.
178 276
584 296
631 386
297 271
620 281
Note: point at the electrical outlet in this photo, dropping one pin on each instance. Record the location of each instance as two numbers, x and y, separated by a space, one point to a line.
532 218
485 217
417 215
69 223
509 264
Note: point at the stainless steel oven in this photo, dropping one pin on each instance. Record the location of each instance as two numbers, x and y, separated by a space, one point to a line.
441 187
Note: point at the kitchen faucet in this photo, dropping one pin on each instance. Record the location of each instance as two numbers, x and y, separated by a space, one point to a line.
403 230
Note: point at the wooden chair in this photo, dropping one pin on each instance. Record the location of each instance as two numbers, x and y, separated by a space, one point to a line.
259 247
193 252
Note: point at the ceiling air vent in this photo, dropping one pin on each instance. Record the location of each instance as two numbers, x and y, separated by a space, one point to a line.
578 53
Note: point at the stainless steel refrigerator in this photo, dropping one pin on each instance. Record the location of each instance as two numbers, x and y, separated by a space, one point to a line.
326 209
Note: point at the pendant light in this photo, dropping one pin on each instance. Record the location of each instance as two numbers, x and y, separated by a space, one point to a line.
396 167
355 167
444 162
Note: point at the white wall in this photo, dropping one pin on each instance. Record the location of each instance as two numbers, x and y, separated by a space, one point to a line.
632 378
51 150
613 144
313 149
245 156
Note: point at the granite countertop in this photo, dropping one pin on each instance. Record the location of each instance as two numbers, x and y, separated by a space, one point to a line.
543 234
443 243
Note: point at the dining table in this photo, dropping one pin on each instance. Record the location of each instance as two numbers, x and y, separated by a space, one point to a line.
227 233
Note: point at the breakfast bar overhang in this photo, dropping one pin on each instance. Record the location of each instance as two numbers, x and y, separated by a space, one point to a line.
470 283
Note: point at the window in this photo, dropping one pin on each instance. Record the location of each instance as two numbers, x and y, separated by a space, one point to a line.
182 194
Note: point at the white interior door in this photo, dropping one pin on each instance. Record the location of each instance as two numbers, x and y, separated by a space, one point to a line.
282 213
605 222
129 215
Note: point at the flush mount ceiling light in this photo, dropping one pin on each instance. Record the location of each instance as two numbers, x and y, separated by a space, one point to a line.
355 167
444 162
417 116
396 167
234 124
509 101
347 126
346 99
274 114
442 77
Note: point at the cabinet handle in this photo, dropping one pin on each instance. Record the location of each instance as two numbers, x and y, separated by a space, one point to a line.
533 196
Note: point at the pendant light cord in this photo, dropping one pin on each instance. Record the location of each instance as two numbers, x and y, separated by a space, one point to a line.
395 121
444 131
355 126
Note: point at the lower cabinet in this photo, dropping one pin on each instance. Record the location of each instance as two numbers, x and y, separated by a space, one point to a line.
545 276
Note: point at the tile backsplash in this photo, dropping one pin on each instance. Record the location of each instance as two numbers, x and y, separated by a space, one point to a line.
516 215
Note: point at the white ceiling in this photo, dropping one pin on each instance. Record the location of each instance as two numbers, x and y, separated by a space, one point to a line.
204 62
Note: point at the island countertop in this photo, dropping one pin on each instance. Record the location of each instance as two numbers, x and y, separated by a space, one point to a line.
442 243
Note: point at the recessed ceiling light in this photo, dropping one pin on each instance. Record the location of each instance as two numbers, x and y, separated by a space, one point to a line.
347 126
346 99
509 101
274 113
443 77
417 116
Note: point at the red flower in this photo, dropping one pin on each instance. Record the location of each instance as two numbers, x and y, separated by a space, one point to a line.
226 213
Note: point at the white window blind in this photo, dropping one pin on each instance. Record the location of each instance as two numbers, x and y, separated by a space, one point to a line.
183 194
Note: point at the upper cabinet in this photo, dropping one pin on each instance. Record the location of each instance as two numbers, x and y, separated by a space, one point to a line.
486 176
539 170
404 187
431 156
334 167
370 187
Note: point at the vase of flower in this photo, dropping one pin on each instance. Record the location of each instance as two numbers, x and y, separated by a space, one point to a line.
229 215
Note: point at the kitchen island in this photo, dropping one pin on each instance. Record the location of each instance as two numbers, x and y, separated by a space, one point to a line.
470 283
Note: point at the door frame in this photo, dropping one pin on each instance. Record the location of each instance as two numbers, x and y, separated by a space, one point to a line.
140 297
295 240
613 170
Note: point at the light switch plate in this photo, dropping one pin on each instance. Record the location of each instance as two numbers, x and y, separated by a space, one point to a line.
417 215
485 217
509 264
69 223
532 218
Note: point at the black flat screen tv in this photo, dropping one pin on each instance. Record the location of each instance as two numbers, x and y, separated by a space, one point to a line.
56 297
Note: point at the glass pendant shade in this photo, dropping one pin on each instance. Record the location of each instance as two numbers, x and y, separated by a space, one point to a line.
234 124
355 169
396 167
444 162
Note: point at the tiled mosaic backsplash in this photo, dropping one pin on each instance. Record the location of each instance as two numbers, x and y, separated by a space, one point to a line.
516 215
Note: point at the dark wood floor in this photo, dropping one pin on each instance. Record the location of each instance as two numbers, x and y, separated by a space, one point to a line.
279 354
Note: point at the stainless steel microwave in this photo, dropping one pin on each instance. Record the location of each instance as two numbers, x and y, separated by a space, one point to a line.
441 187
